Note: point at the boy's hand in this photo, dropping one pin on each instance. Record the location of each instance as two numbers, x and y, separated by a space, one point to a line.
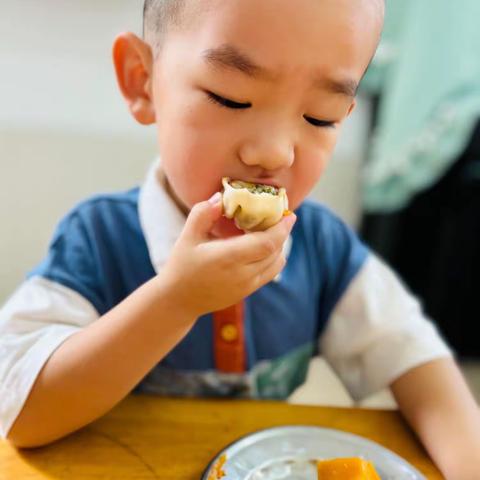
209 275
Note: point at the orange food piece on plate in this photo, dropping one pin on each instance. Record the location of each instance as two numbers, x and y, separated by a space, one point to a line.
346 469
217 472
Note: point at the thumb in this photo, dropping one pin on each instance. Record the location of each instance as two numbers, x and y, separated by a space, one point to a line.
203 216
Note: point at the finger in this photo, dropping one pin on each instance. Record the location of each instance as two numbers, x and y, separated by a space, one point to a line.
257 246
202 218
256 268
269 272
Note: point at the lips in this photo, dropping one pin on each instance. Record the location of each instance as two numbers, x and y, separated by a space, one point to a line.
267 181
270 181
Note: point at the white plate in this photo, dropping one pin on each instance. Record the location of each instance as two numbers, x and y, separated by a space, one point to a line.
287 453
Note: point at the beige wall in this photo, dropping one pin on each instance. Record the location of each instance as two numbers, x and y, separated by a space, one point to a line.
43 175
65 133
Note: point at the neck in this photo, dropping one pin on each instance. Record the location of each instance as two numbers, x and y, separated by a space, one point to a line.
162 179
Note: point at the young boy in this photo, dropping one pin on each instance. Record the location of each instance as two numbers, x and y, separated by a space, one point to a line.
154 290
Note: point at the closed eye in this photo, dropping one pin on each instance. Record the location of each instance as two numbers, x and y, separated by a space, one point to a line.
225 102
319 123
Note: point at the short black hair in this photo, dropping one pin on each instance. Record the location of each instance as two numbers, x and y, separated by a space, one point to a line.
158 17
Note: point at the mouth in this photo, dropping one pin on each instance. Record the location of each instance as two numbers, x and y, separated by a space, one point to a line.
252 187
268 181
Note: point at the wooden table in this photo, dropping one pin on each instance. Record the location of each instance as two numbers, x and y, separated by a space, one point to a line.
147 438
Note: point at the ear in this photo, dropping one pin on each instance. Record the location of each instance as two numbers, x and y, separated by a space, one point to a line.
133 62
352 107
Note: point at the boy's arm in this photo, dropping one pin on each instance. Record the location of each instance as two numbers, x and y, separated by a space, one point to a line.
96 367
378 336
437 403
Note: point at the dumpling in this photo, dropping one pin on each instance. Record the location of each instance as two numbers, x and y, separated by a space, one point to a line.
254 207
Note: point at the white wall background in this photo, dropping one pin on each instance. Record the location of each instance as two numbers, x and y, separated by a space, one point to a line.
65 132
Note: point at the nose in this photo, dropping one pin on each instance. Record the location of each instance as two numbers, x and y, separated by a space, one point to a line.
269 149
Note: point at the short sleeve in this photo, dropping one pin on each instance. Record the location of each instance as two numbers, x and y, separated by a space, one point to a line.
34 322
377 332
96 259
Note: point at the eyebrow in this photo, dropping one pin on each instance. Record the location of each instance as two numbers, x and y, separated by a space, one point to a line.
229 57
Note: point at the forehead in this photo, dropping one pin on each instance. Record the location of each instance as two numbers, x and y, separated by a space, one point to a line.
336 37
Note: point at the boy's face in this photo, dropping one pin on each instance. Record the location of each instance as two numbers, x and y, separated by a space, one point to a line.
257 91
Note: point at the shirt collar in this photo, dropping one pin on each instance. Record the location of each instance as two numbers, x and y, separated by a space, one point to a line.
161 219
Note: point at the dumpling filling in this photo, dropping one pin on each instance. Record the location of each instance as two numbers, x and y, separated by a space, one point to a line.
254 187
253 206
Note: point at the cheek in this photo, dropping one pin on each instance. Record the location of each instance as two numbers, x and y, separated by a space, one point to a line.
193 158
305 179
308 170
193 176
192 142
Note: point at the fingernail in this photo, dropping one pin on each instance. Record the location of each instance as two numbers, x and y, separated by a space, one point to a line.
215 198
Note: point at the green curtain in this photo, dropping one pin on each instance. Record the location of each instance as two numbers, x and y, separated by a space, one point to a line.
427 72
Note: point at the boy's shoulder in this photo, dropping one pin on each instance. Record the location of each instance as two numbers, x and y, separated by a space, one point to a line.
100 238
329 251
320 211
107 210
320 220
99 224
325 234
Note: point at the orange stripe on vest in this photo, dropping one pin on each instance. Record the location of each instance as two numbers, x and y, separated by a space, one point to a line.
229 339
